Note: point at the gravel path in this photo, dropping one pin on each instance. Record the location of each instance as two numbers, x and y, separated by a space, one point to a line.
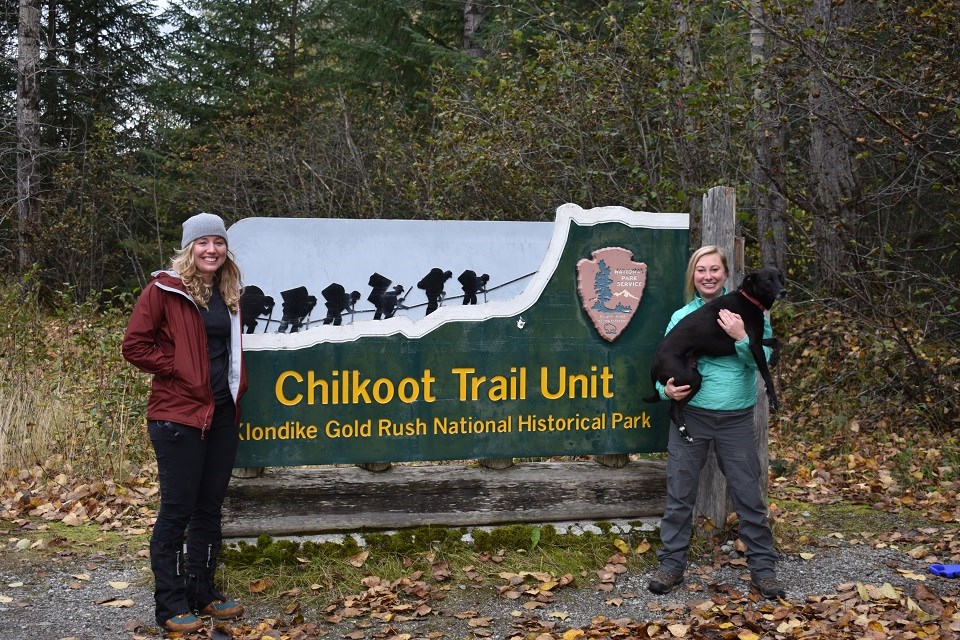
67 597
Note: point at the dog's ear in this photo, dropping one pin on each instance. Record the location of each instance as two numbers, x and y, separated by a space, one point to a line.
750 279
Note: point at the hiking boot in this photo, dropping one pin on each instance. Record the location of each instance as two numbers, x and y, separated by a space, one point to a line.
184 623
664 582
770 588
222 610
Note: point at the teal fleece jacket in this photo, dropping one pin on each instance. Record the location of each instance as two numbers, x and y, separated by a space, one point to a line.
729 382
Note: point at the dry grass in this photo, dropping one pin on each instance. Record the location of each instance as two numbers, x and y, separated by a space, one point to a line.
65 389
31 419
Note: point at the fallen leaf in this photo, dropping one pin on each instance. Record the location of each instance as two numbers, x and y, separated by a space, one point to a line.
116 603
441 571
260 585
910 575
888 592
359 559
71 520
119 585
132 625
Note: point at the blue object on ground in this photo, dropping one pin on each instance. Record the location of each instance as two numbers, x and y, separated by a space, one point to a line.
945 570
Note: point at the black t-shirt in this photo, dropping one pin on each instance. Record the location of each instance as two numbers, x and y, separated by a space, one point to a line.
216 318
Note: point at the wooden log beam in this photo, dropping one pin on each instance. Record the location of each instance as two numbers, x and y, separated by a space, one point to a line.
307 500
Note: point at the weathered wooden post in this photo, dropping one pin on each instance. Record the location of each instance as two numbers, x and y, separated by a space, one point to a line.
719 228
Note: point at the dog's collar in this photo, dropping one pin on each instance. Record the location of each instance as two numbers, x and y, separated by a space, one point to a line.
752 299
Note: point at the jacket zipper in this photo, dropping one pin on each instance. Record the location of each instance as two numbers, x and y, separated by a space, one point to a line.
206 423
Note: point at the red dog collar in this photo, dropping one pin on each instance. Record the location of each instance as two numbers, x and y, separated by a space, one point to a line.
752 299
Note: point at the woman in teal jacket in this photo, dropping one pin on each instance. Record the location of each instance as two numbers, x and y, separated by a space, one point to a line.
721 413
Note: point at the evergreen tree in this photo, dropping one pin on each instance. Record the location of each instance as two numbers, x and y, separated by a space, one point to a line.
230 58
601 286
89 76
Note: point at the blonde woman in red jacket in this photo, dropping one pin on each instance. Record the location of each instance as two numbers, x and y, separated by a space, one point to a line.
185 329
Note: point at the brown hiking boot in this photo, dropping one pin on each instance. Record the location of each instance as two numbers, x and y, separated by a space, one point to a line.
770 588
184 623
664 582
223 610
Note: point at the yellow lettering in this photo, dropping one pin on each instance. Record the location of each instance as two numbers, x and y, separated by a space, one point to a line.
278 389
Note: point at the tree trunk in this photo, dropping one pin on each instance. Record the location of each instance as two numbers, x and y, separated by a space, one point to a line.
833 185
769 205
28 129
473 14
292 35
687 140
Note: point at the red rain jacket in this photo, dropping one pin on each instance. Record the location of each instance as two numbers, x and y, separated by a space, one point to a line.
167 338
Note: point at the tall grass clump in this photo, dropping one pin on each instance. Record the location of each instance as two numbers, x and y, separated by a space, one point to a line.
65 391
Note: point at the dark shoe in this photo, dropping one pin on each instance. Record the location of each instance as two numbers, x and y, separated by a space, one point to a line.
664 582
223 610
770 588
184 623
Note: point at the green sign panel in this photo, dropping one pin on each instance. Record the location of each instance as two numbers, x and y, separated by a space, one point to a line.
559 369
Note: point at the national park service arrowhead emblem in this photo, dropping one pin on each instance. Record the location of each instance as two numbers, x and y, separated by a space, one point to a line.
611 285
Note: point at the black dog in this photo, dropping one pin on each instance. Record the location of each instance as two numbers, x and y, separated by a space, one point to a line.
699 334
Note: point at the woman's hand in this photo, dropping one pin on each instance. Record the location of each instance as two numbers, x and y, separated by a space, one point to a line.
676 392
732 323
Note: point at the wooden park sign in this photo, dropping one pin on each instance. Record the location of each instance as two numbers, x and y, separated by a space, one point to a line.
552 358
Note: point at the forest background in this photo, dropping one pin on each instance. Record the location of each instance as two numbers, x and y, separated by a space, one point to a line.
837 122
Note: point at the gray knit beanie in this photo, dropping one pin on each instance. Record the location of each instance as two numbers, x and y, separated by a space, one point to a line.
202 224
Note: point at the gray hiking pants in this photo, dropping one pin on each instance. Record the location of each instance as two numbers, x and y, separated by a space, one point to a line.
733 437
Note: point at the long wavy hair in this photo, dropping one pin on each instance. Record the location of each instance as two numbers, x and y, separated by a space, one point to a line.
689 288
227 279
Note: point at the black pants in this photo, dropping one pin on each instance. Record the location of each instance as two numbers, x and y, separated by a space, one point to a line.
194 472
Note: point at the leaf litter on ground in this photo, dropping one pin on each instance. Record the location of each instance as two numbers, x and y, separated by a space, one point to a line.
861 506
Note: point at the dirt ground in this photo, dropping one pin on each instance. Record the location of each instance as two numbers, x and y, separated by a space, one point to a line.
86 595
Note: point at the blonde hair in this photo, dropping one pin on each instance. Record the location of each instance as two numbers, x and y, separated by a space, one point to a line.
689 288
228 278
